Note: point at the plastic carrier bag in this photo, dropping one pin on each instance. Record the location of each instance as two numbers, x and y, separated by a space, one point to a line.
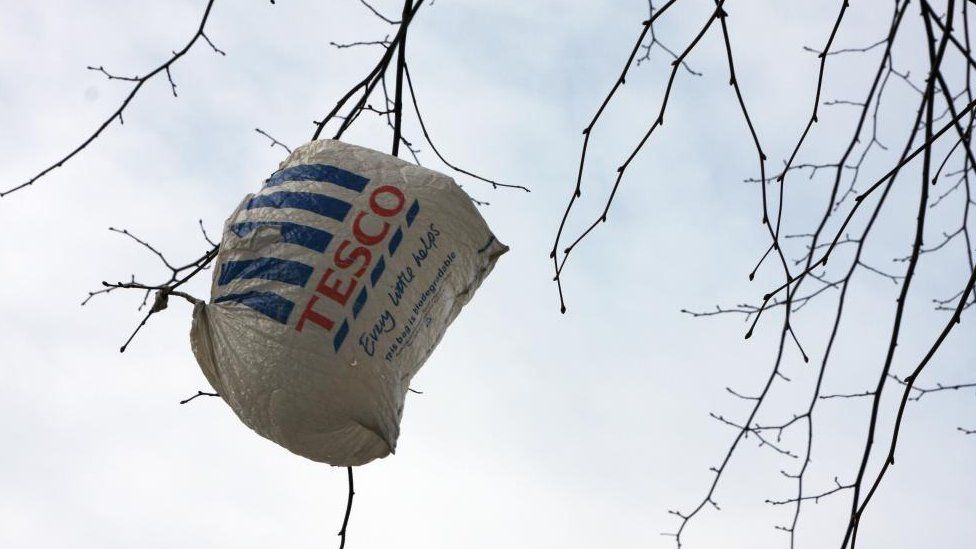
332 286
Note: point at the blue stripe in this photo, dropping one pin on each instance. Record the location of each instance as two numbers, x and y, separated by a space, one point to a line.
358 304
412 212
265 268
485 247
340 335
292 233
318 203
377 272
269 304
321 173
395 240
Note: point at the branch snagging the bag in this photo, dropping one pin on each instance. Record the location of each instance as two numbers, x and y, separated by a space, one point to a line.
332 286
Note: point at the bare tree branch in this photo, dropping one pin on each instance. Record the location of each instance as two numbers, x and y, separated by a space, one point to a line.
117 114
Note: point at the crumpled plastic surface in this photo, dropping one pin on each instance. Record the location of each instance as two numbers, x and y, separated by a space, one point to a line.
332 286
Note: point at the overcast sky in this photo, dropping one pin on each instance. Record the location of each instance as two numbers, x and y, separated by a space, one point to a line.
534 429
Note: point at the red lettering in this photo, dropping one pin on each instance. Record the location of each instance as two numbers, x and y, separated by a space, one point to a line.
348 261
310 314
380 210
350 255
333 291
365 238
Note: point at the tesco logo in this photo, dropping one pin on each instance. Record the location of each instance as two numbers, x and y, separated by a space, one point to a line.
351 260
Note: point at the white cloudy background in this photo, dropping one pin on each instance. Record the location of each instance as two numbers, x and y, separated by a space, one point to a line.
535 429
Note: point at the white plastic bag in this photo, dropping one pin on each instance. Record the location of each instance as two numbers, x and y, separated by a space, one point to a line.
332 286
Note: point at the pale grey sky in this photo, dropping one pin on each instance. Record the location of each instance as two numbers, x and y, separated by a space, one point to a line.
535 429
